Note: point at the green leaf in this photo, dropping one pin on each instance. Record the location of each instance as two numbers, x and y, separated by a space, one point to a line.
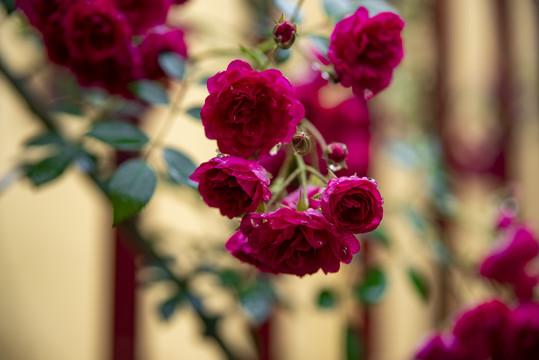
230 278
120 135
337 9
288 8
50 168
354 350
172 64
374 286
419 282
167 308
380 236
282 55
179 167
130 188
416 219
150 91
48 138
257 301
376 7
9 5
257 55
326 299
194 112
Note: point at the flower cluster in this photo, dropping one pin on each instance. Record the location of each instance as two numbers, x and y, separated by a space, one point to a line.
106 43
250 112
489 331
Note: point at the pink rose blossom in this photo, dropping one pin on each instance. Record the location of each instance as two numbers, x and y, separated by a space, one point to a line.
291 242
521 334
233 185
144 14
154 44
365 50
249 112
443 347
352 203
479 329
507 262
95 30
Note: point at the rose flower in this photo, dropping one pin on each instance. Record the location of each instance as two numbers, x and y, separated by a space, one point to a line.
96 31
365 50
249 112
507 262
233 185
291 242
352 203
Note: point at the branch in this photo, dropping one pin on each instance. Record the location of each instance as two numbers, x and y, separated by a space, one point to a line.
142 245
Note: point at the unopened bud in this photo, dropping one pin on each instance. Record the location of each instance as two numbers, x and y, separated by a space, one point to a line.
302 143
284 34
336 152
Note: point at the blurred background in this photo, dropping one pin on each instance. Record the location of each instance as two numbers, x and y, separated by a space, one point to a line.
454 138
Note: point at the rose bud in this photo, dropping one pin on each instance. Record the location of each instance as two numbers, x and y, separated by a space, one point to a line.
352 203
302 143
284 34
336 152
233 185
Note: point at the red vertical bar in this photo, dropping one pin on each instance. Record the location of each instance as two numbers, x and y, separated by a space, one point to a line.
124 302
123 345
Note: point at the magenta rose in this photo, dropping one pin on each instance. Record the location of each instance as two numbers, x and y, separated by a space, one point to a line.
233 185
162 40
249 112
95 30
144 14
365 50
443 347
291 242
479 329
47 17
352 203
507 262
521 334
113 74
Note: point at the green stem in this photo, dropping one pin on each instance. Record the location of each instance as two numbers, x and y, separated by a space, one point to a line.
282 186
315 133
302 178
316 173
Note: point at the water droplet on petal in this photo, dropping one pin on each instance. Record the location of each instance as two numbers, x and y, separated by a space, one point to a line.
325 75
367 94
274 150
344 253
335 167
315 66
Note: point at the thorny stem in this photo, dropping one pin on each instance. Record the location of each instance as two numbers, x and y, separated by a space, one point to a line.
140 242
